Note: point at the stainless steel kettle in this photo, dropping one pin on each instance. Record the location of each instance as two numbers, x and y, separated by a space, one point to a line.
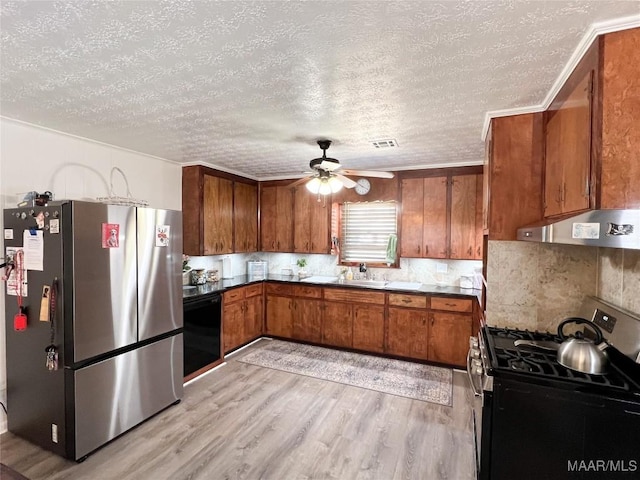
583 354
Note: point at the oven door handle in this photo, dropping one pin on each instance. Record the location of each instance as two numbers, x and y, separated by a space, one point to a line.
476 392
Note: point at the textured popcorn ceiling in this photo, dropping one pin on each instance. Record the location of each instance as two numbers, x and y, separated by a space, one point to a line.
249 86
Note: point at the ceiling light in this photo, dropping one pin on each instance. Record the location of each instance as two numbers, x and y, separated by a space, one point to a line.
325 188
313 185
335 184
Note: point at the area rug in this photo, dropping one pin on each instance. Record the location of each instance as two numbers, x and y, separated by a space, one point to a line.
396 377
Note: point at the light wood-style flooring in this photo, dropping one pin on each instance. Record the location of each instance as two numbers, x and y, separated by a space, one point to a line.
249 422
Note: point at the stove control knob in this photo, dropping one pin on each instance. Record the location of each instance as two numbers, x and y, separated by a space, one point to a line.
473 342
476 367
475 353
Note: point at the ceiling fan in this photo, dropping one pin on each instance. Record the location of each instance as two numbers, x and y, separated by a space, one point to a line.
326 179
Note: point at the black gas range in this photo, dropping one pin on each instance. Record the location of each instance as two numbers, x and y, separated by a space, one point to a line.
536 419
542 367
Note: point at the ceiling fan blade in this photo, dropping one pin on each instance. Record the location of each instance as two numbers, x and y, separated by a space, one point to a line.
347 182
298 182
368 173
329 164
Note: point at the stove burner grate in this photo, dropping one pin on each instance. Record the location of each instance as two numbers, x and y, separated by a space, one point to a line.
507 357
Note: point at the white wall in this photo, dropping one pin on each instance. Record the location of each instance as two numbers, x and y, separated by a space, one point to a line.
32 158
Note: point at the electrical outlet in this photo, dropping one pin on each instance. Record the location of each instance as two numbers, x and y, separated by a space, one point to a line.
54 433
442 268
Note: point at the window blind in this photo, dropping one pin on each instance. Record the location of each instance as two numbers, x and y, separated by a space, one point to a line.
365 231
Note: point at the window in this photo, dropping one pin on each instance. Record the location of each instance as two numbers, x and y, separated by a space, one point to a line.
365 231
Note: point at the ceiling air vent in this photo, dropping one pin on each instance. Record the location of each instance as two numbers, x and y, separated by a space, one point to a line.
388 143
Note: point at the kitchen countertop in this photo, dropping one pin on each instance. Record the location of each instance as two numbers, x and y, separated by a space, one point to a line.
242 280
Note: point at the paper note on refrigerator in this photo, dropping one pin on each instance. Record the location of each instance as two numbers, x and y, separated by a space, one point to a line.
33 245
13 281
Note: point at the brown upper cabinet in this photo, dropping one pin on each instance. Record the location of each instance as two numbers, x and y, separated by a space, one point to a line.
583 153
512 194
424 217
568 151
441 215
312 219
592 140
618 99
245 214
219 212
276 218
466 217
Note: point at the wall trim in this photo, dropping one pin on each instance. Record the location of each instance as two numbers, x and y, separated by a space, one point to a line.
86 139
222 169
429 166
595 29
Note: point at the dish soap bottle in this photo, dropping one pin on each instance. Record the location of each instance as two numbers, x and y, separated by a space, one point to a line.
349 274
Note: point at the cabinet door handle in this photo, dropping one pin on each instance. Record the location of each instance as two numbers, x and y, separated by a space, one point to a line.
478 250
418 250
306 246
406 300
470 250
426 249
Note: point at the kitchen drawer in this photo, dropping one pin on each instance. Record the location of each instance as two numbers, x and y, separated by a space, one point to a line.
233 295
354 295
413 301
452 304
253 290
307 291
278 288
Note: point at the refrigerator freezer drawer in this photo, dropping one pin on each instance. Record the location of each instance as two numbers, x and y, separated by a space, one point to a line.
116 394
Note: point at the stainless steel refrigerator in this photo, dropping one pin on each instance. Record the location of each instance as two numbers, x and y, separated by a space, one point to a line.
110 277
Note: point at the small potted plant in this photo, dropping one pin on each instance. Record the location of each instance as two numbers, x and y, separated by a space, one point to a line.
302 262
185 269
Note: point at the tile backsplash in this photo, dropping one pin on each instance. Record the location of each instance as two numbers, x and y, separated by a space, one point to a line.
536 286
411 269
619 279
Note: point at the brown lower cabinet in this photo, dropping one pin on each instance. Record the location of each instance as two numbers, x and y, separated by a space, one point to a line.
338 325
368 328
408 333
406 325
242 316
449 337
279 316
307 319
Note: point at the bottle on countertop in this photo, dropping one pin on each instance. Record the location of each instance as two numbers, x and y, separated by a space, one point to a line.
349 274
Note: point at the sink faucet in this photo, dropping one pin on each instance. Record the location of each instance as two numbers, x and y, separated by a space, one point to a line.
363 268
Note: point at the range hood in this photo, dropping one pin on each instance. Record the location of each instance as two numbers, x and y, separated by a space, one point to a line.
596 228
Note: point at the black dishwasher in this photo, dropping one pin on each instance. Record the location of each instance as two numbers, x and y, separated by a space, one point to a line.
202 346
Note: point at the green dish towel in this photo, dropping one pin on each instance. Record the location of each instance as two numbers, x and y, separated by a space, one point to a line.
392 243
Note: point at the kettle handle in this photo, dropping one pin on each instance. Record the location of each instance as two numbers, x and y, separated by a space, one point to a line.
577 320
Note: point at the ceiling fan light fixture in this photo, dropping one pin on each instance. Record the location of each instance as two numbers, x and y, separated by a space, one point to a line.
325 188
335 184
313 185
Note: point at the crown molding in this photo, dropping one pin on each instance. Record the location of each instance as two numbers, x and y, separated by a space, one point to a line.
222 169
394 169
86 139
595 30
